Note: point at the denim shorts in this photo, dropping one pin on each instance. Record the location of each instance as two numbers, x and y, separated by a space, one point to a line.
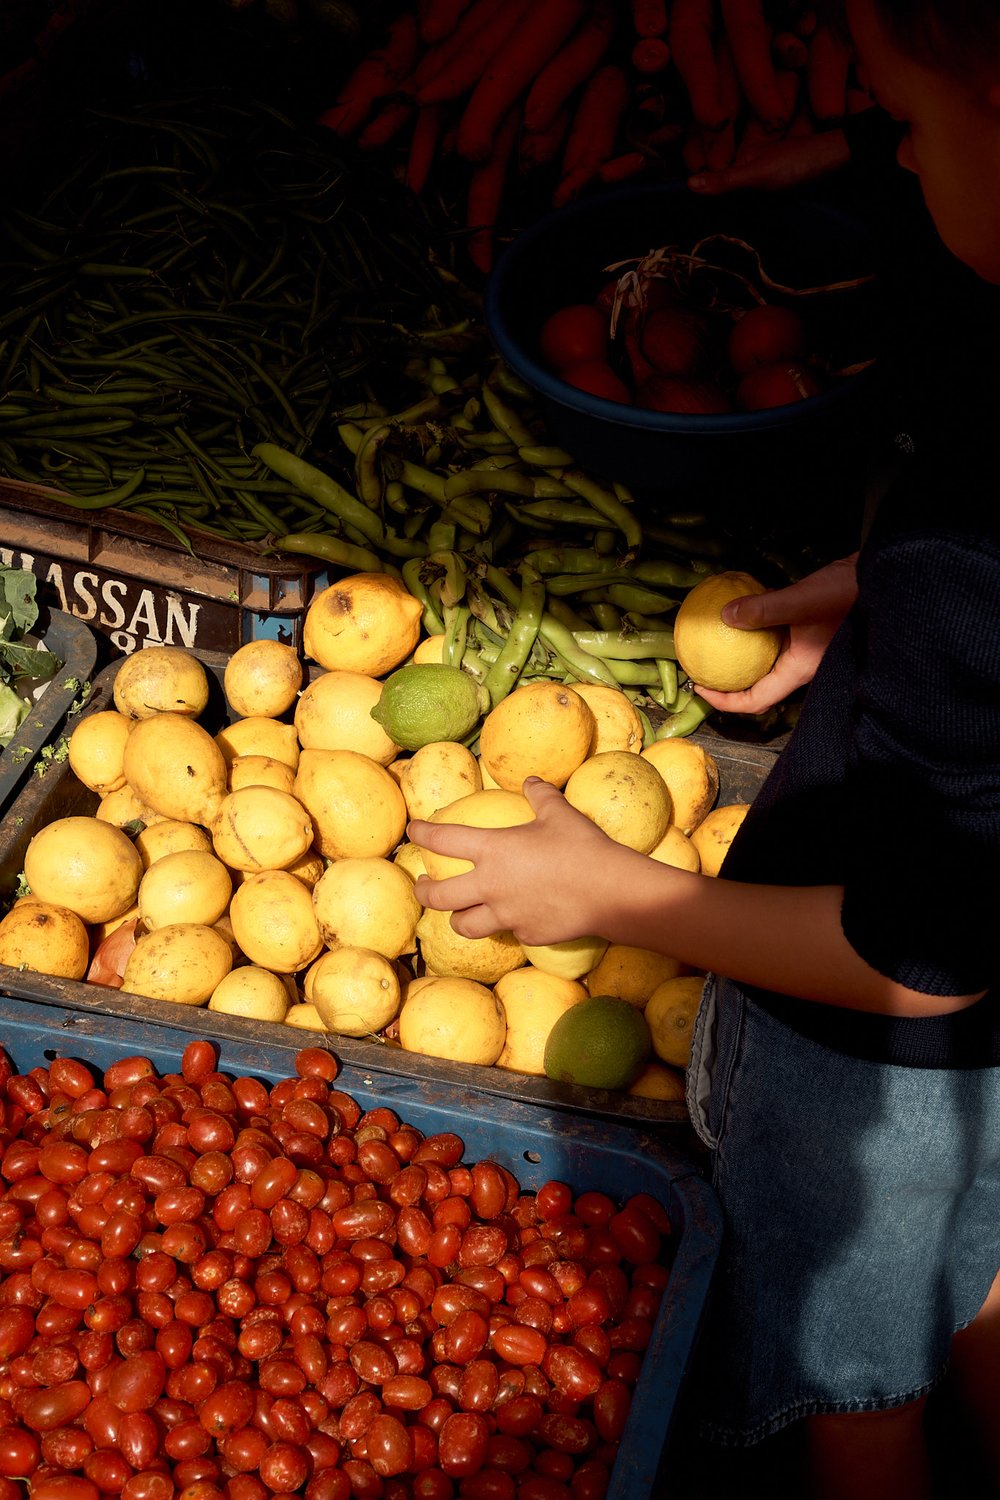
861 1207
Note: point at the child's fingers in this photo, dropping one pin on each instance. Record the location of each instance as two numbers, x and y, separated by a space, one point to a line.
454 893
476 922
460 840
541 795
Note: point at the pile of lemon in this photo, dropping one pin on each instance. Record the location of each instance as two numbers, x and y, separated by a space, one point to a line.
263 870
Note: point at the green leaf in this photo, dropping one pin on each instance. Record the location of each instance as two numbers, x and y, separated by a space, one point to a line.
13 710
18 590
27 661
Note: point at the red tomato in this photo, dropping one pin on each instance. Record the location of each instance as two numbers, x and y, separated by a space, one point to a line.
776 385
597 379
675 341
765 336
574 335
667 393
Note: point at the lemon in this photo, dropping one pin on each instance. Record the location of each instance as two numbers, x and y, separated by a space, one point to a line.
260 828
570 959
631 974
438 774
692 777
541 729
430 649
617 725
263 678
44 938
490 783
715 833
308 868
85 864
600 1043
355 991
161 679
485 809
670 1014
657 1081
356 808
716 655
176 768
188 886
96 750
167 836
447 953
367 903
274 923
337 712
100 930
533 1001
676 849
123 808
409 858
254 993
183 962
259 735
624 795
305 1016
424 702
260 770
367 622
457 1019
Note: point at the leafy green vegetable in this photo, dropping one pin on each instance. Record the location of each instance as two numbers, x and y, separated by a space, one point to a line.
18 615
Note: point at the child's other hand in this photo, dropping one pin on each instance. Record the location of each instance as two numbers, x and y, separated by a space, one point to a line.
812 609
778 166
536 880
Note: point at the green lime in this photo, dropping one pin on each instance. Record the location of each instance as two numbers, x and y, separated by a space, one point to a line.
427 702
601 1042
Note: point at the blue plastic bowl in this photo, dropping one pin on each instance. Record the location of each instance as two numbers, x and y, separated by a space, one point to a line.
561 258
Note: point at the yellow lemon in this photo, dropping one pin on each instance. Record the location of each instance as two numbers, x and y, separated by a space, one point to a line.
457 1019
692 777
183 962
335 713
570 959
410 858
716 655
367 622
541 729
260 828
259 736
46 939
304 1016
355 991
254 993
123 808
167 836
161 679
89 866
274 923
437 775
631 973
447 953
100 930
490 783
430 651
624 795
260 770
357 810
485 809
617 725
676 849
189 886
715 833
367 903
96 750
670 1012
657 1081
176 768
533 1001
309 868
262 678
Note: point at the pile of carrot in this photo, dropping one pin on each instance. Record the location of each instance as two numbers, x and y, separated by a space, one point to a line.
588 92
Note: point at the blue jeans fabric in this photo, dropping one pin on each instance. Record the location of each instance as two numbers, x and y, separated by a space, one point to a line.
861 1207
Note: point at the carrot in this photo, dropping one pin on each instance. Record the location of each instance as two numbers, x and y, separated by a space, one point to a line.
465 69
541 31
376 75
650 55
486 185
593 131
693 152
720 145
570 67
437 19
649 17
789 50
805 23
826 75
442 53
621 168
535 148
750 38
382 127
423 146
691 35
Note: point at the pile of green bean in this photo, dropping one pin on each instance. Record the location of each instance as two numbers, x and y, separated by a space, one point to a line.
209 275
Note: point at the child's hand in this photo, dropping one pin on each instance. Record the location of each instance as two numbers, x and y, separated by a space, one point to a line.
812 609
536 880
787 163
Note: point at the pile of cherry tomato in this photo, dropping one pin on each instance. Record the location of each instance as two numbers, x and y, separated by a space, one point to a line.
211 1289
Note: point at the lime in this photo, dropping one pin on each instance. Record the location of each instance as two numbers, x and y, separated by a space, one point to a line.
601 1043
423 703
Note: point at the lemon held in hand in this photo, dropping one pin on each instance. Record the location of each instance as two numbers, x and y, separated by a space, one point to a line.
716 655
421 704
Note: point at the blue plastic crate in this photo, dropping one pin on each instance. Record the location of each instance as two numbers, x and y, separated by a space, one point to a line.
533 1143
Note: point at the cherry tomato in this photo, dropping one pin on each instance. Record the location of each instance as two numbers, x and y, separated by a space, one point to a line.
675 341
777 385
670 394
597 378
766 336
573 335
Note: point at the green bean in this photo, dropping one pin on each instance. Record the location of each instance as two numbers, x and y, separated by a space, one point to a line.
521 637
642 673
367 473
505 419
412 570
562 642
625 646
661 571
333 550
456 634
606 616
476 481
561 513
559 584
511 384
687 544
605 502
541 457
668 679
632 598
321 488
686 720
175 531
109 497
566 614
